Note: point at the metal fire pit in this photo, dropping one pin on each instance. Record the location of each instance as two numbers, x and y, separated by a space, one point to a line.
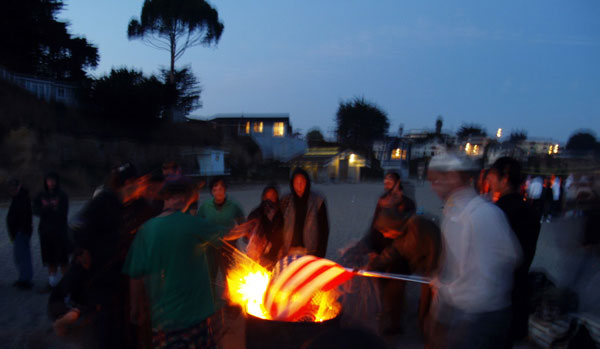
264 334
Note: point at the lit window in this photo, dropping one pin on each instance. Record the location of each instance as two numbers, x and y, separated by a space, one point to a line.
248 127
258 127
397 154
278 129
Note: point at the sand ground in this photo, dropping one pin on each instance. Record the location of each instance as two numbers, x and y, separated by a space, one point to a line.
24 323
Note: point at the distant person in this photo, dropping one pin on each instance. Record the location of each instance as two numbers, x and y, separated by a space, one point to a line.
170 276
547 200
505 179
534 193
471 307
306 225
52 206
557 196
19 225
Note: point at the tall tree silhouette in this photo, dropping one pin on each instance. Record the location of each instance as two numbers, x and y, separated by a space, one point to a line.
175 26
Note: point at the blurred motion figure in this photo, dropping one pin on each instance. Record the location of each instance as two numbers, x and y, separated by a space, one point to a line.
472 290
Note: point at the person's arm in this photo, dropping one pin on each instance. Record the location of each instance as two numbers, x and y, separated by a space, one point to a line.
323 224
139 302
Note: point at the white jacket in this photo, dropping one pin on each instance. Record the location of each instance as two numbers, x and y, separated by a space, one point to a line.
480 254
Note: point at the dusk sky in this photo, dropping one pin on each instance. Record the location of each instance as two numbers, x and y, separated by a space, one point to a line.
531 65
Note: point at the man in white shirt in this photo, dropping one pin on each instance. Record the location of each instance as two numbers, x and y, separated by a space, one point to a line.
472 291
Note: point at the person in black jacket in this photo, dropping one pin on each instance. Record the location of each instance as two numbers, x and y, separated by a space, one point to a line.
52 206
505 179
94 289
18 222
267 227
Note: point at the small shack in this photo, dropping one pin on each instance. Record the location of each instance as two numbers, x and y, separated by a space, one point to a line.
330 164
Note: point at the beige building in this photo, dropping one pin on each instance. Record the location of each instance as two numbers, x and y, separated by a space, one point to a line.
330 164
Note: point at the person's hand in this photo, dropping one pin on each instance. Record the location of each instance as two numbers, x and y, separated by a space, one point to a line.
390 233
62 324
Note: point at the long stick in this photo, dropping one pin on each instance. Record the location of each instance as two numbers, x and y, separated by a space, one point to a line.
412 278
359 272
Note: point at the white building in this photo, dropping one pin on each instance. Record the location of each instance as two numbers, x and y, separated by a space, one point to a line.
272 133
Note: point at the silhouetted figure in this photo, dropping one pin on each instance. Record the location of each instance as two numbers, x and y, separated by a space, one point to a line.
505 179
19 226
52 206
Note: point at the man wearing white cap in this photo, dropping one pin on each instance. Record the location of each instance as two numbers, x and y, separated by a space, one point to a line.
472 291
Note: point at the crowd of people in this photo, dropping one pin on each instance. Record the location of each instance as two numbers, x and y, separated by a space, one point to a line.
143 263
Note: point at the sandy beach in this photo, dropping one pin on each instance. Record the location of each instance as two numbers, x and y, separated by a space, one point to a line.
25 324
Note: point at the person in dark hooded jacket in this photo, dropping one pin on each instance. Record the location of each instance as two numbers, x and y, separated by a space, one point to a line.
306 226
18 222
52 206
266 226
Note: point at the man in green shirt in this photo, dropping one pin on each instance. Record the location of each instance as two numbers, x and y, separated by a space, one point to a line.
167 264
221 209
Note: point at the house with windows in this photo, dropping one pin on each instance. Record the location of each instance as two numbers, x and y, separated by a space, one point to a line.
272 133
330 164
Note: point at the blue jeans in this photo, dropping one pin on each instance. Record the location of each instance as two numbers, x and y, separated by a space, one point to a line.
22 254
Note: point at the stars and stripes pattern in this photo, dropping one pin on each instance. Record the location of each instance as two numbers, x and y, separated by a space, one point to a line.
296 279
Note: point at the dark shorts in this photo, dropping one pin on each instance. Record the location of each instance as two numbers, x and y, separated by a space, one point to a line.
198 336
55 247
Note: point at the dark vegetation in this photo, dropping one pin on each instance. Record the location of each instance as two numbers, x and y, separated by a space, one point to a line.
124 116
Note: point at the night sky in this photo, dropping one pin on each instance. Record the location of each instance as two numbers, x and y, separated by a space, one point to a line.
531 65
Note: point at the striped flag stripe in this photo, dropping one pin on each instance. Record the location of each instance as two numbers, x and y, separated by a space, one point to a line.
286 273
305 294
291 286
297 280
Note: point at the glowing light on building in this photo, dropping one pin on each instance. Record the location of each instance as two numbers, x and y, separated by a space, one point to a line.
475 149
555 151
550 150
278 129
468 148
499 133
352 158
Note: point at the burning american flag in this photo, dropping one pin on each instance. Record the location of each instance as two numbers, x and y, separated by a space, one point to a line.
298 286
